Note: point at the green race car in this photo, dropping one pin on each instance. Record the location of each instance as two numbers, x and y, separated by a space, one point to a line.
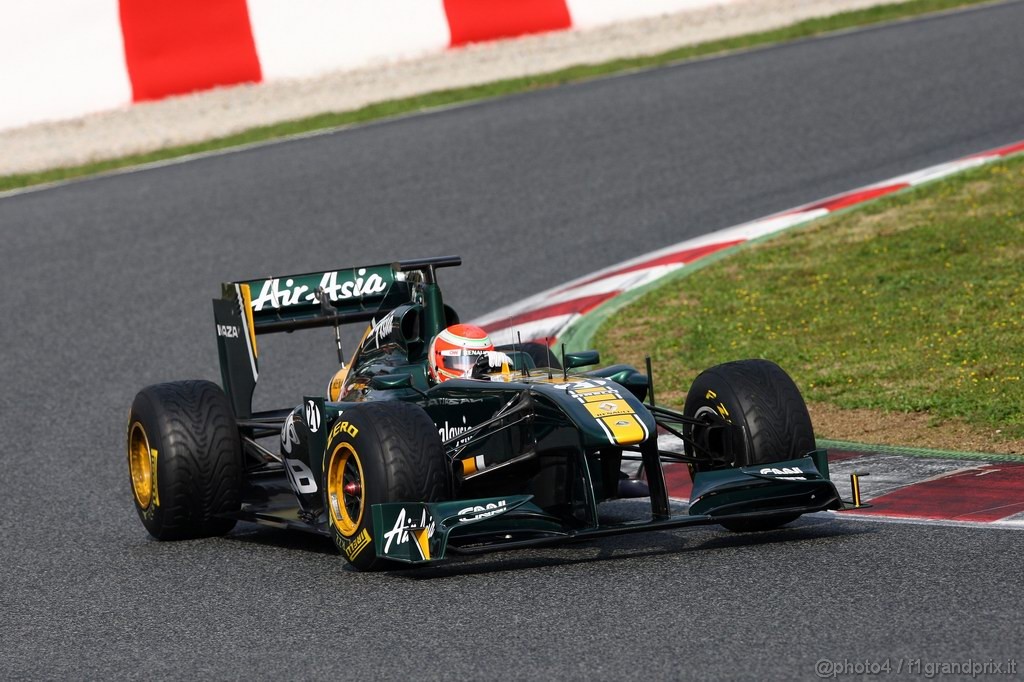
401 465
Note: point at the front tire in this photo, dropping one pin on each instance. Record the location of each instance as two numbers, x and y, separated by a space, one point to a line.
759 395
379 452
184 460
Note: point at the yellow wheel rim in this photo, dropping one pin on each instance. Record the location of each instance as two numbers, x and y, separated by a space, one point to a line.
140 463
345 494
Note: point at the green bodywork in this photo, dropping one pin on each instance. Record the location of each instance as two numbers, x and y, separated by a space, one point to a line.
729 494
532 451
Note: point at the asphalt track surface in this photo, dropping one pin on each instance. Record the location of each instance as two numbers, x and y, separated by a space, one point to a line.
106 286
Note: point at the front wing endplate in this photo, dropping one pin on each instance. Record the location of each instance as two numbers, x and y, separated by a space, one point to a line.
417 532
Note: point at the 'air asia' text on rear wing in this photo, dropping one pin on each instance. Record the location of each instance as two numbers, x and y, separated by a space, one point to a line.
287 303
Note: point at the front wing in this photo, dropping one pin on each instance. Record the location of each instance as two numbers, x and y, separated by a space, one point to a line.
419 532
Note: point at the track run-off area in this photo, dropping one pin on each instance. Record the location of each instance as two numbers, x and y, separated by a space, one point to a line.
107 286
945 488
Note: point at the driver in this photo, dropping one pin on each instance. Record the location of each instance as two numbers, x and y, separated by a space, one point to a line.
459 349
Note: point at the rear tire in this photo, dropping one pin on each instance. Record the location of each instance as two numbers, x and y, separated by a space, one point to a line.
759 395
389 452
184 460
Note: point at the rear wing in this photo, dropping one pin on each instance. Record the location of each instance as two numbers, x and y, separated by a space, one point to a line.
287 303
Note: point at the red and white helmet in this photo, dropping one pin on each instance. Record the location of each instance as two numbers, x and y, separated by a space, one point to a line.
454 352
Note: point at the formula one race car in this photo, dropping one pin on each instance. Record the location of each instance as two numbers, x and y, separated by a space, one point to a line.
516 446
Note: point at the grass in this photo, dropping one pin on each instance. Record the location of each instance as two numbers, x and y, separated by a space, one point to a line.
913 304
399 107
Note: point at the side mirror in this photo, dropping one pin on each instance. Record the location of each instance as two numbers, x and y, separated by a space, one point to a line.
383 382
582 358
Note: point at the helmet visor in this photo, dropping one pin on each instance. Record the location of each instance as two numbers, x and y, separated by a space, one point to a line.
459 361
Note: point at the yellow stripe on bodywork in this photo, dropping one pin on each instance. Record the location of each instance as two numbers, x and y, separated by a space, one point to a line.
608 408
593 397
423 541
590 389
625 429
337 383
247 306
468 466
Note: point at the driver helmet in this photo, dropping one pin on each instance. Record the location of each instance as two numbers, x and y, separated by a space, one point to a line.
454 352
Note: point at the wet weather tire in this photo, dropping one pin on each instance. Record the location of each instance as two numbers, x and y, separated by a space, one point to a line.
759 395
379 452
184 460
